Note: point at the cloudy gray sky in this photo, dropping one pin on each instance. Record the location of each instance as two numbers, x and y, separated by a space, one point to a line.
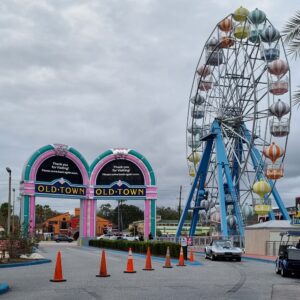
101 74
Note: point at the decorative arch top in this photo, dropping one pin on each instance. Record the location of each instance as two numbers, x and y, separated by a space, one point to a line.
122 173
56 170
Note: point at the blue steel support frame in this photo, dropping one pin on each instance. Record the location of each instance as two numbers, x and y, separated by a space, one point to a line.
200 180
259 167
223 164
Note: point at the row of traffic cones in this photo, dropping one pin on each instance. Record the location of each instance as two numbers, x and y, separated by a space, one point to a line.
58 276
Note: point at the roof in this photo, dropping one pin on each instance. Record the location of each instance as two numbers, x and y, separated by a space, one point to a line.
274 224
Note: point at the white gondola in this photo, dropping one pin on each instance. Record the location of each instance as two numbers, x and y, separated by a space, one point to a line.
279 128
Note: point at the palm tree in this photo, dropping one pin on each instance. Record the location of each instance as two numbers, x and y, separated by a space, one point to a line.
291 33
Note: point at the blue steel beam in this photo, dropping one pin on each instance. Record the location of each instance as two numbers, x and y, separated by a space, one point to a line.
200 176
223 164
259 167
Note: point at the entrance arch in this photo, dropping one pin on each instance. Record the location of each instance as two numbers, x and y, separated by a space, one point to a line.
125 174
57 171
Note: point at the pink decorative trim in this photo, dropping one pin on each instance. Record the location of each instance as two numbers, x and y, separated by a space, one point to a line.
69 155
85 208
147 219
151 192
129 157
92 218
31 215
90 192
28 188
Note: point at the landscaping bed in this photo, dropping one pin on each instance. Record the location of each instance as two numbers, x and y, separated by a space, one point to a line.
157 248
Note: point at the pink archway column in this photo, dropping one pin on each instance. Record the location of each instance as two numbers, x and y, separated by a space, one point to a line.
88 215
147 218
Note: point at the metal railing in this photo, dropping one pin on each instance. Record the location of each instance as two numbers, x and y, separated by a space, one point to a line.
203 241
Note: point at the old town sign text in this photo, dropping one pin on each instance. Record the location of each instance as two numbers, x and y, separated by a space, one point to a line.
120 178
59 175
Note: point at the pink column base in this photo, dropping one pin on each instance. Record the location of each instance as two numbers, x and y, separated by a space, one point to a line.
147 219
92 218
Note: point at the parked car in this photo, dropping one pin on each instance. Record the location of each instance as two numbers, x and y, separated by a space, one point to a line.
104 236
223 249
63 238
288 260
116 237
130 238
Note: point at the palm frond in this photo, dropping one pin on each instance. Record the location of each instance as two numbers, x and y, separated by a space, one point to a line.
291 33
296 98
294 48
292 28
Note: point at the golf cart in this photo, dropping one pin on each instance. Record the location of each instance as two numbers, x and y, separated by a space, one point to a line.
288 260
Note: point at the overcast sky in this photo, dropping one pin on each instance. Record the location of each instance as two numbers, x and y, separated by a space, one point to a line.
102 74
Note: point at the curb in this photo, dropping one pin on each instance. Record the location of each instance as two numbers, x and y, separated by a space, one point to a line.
22 264
3 288
263 260
268 261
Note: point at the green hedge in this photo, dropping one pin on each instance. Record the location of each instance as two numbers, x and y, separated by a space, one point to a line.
157 248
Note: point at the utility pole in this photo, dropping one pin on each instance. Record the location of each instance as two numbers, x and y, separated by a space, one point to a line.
9 201
179 206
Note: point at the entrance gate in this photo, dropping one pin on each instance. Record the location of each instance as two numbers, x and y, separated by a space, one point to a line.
61 171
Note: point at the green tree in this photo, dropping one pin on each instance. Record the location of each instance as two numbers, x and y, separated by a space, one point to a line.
4 214
42 213
105 211
291 33
167 213
129 214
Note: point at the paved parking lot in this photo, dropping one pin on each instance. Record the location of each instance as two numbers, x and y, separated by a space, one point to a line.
208 280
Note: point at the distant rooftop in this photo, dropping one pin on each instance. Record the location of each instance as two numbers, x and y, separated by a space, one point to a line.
284 224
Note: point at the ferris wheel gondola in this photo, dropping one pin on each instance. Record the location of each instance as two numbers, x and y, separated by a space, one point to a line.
238 122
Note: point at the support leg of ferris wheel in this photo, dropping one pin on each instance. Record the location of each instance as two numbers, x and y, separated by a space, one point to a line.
223 165
258 164
198 180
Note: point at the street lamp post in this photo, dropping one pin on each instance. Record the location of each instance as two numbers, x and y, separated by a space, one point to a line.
9 201
13 214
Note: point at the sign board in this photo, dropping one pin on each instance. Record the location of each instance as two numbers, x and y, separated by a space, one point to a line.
59 175
57 167
60 187
120 190
120 170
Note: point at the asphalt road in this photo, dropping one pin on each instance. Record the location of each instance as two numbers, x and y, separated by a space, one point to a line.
208 280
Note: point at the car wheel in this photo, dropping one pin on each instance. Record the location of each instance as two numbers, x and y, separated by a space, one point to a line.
57 241
277 270
284 272
239 259
212 257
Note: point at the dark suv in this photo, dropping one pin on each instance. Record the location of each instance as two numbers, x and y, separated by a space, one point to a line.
288 260
63 238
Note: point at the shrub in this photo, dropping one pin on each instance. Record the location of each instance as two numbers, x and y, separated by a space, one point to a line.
157 248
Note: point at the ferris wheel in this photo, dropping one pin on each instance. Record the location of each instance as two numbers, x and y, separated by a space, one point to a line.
238 124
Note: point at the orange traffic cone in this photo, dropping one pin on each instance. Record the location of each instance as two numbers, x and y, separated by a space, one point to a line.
130 267
148 265
181 259
103 270
192 258
58 276
168 259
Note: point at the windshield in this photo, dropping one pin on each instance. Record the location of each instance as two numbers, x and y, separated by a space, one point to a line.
224 244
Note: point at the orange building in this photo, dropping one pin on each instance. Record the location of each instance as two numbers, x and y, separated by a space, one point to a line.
69 225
